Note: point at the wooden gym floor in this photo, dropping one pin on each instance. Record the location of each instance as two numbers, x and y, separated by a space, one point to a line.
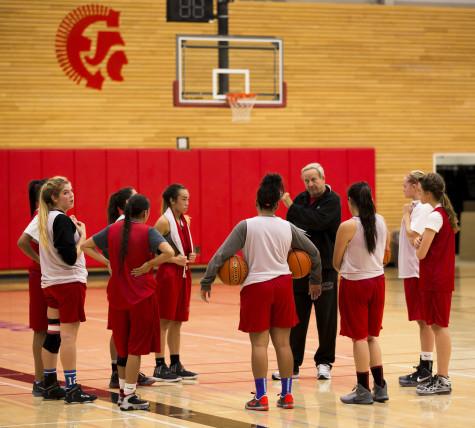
212 346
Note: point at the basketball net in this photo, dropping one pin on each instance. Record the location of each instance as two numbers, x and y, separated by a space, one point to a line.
241 105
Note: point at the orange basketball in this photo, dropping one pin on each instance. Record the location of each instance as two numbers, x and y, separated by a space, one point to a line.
233 271
299 263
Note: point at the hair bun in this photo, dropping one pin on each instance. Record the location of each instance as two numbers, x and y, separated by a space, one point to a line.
272 180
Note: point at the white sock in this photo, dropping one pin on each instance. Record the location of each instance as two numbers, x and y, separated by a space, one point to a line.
121 383
426 356
129 388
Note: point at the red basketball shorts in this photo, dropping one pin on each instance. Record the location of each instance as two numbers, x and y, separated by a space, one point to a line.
413 299
69 299
136 331
436 307
174 292
38 307
361 306
268 304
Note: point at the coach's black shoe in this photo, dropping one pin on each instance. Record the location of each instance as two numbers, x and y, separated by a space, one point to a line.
114 382
38 389
54 392
181 372
421 375
76 395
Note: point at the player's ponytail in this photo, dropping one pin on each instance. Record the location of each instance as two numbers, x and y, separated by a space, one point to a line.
134 209
117 201
270 191
360 195
52 187
435 184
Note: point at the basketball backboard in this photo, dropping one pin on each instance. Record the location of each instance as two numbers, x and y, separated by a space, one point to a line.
252 64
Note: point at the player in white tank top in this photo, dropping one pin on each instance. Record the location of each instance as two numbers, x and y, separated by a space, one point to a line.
358 256
265 241
414 220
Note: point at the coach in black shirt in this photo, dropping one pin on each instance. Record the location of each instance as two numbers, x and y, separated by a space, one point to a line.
318 212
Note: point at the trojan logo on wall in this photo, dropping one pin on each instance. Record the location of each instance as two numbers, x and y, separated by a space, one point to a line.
89 45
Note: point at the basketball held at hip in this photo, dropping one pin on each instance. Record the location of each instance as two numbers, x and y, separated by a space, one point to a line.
299 263
234 271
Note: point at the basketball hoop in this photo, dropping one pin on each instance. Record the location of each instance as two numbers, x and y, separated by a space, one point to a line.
241 105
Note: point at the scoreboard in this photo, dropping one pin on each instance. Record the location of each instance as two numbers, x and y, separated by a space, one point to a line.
189 10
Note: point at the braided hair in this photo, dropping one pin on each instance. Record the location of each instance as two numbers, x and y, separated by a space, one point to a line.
134 208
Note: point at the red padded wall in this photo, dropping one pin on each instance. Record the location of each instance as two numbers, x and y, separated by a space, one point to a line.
24 166
121 169
245 178
215 198
153 178
4 212
90 191
222 184
275 160
361 165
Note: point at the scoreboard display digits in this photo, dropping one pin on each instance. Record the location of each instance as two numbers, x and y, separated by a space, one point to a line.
189 10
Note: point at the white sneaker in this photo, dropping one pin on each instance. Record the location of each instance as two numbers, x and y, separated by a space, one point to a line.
276 375
324 372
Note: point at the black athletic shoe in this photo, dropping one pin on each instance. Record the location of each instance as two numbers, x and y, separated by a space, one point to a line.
76 395
38 389
420 376
163 374
114 382
54 392
134 402
180 371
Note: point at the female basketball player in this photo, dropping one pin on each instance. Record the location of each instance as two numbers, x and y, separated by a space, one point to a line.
267 303
131 291
115 212
63 279
174 282
358 256
412 226
28 244
436 252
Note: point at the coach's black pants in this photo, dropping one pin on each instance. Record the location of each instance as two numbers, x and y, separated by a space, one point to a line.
326 311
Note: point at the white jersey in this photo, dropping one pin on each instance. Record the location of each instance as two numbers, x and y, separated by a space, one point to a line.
408 263
263 233
357 262
53 268
32 229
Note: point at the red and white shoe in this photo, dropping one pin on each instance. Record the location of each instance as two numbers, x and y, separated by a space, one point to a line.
286 402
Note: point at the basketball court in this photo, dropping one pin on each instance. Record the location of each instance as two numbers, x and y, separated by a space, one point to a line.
369 91
214 347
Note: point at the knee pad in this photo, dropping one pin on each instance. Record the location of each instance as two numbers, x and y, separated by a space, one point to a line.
52 343
121 361
53 339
